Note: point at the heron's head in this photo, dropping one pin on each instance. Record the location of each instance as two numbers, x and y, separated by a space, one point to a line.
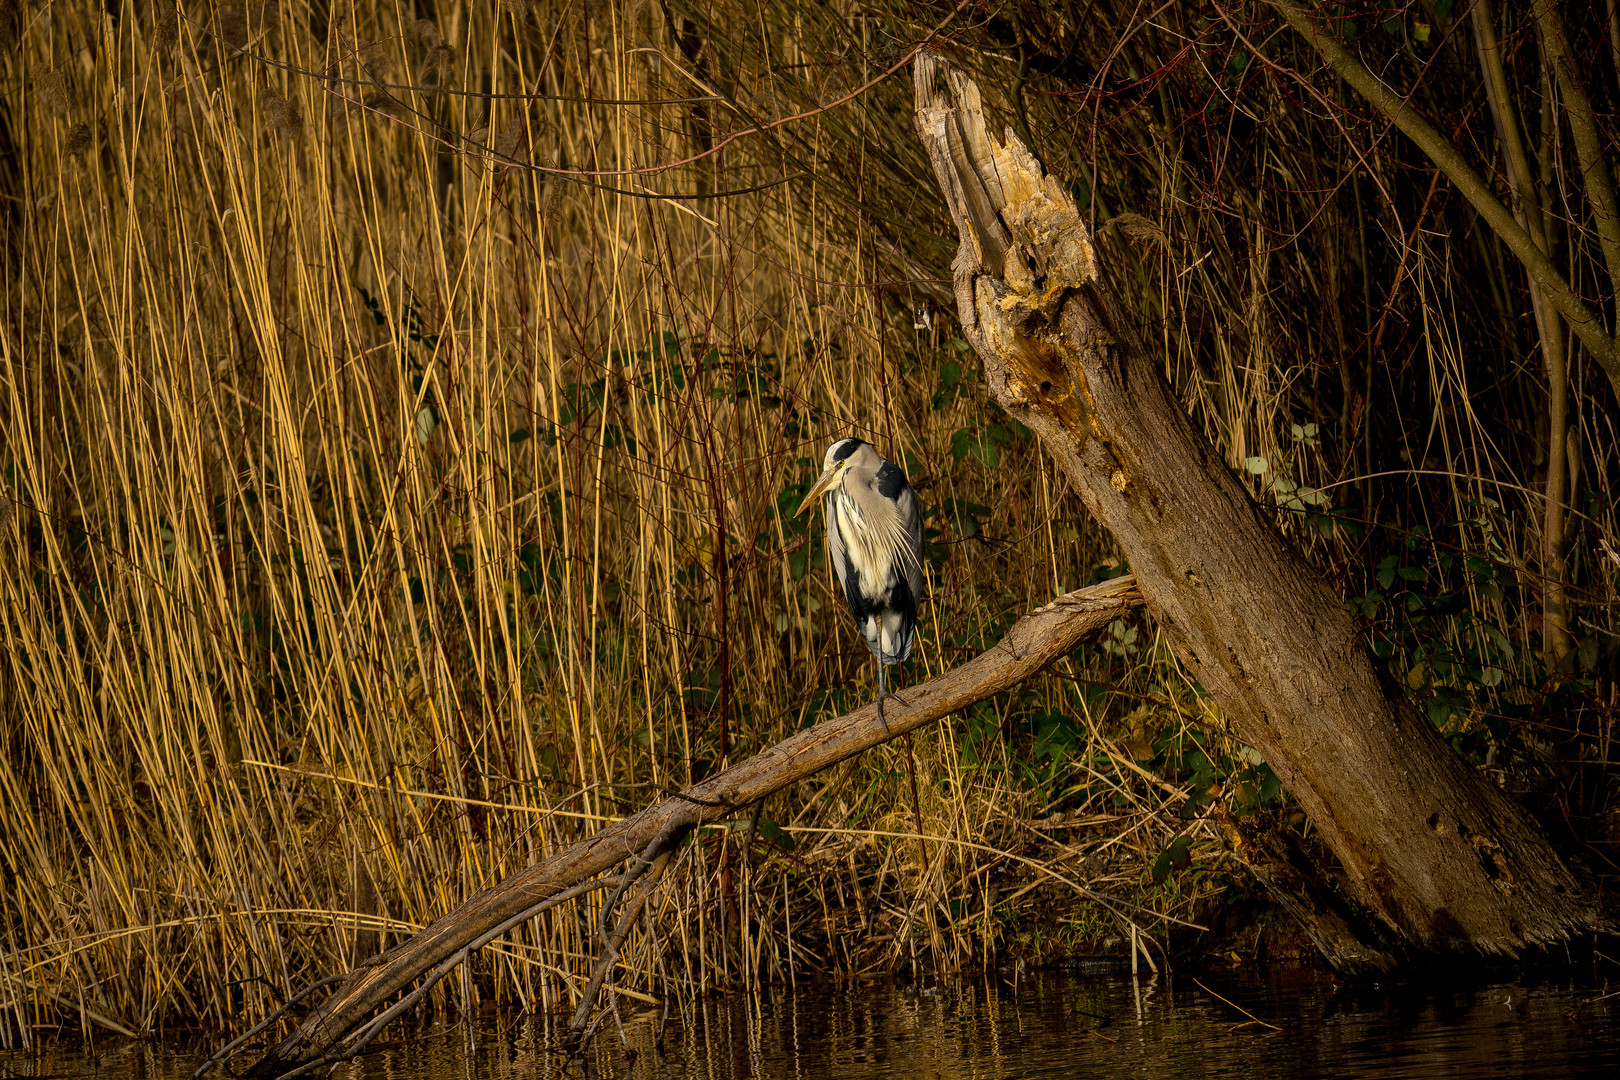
841 457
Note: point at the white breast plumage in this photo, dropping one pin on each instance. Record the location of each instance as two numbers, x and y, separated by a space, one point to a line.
870 559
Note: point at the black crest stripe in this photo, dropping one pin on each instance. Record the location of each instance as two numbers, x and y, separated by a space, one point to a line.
890 481
846 448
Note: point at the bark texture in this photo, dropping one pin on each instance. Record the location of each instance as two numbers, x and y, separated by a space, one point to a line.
1438 853
1036 640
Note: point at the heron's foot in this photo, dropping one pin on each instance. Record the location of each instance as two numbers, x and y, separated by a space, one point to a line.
879 702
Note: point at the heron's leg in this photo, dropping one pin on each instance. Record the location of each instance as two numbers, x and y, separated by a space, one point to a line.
883 692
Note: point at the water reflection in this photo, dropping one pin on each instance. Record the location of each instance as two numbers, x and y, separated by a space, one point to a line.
1049 1025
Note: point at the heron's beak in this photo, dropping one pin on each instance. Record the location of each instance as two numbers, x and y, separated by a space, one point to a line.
821 485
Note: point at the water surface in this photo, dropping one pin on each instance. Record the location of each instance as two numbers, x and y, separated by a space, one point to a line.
1048 1025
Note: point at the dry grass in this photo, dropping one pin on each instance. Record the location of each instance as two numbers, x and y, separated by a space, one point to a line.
394 492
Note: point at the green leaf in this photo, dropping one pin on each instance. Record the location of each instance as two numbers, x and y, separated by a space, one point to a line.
1175 857
1256 465
962 443
1386 571
1499 639
772 833
1270 786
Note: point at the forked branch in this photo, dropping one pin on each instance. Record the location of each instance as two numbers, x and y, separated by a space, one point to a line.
342 1024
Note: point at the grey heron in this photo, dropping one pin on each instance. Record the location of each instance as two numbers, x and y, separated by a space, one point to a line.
874 537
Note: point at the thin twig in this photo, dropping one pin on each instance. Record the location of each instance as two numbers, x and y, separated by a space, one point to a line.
1239 1008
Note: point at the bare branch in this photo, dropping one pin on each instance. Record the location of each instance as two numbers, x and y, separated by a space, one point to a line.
1586 324
1550 329
1588 145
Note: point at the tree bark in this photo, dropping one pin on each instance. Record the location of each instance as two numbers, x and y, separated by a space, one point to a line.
1427 844
1036 640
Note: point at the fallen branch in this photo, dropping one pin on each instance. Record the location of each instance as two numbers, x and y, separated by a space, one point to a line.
341 1026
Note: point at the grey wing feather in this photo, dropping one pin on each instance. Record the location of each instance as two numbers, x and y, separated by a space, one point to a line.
835 543
911 527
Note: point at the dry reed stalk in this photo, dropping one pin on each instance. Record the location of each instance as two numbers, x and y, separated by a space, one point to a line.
368 493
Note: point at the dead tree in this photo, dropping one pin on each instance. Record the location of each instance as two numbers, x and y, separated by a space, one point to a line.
1439 856
341 1026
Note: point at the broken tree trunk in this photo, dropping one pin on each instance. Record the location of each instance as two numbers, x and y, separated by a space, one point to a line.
1438 853
344 1021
